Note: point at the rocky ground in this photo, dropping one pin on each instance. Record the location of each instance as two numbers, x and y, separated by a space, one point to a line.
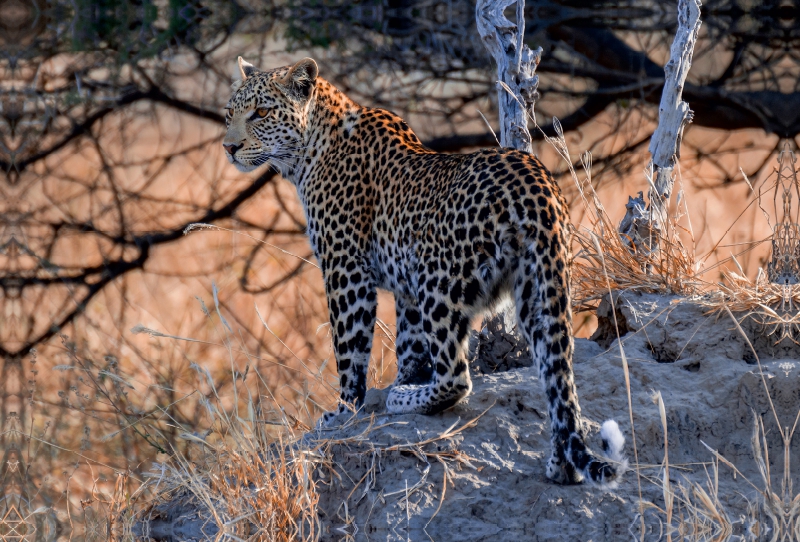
386 486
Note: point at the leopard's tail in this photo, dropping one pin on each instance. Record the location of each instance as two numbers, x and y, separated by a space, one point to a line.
613 449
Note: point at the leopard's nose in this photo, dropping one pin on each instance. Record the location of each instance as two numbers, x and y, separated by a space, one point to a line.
232 148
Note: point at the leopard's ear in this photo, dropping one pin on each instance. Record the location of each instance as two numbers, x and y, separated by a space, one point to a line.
246 69
301 79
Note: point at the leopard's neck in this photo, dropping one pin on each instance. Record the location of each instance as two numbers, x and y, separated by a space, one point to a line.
331 114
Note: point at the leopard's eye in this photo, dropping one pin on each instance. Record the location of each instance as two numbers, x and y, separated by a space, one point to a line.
262 112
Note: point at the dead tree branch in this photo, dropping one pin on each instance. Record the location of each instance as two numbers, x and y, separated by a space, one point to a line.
642 224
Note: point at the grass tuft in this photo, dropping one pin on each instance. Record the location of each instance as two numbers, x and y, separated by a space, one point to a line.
606 259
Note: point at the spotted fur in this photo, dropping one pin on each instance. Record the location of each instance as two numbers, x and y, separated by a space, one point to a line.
448 234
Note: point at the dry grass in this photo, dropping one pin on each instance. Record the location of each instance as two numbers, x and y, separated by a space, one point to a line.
777 286
691 511
251 485
604 258
254 485
247 473
112 516
605 262
253 473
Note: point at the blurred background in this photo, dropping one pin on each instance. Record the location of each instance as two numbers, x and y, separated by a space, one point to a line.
111 124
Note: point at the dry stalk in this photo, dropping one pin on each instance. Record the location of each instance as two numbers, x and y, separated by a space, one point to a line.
248 474
691 511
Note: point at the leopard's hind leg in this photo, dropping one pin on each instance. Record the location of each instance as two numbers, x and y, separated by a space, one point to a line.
414 364
446 328
545 320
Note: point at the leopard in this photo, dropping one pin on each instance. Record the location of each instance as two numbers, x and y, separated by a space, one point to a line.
450 235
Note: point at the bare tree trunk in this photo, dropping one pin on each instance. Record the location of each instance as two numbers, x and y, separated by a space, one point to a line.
642 224
516 66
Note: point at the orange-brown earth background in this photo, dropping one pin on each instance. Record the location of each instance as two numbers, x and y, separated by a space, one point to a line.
155 165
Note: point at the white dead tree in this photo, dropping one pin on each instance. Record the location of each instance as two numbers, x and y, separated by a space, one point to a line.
516 66
642 224
517 84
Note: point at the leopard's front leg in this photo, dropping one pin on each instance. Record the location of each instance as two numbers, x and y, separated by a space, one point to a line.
352 301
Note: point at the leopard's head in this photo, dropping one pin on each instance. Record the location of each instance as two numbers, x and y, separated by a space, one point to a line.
267 115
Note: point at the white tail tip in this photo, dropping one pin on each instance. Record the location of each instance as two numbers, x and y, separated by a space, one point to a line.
613 441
